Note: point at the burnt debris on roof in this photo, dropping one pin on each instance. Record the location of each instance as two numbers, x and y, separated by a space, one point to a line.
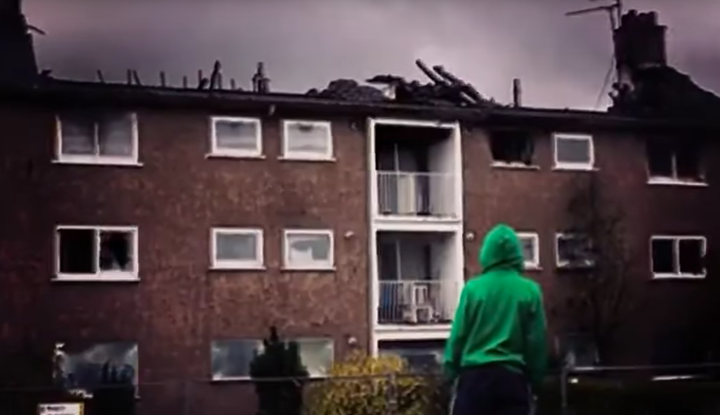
445 89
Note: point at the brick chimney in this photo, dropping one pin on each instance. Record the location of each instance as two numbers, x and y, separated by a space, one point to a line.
639 43
16 46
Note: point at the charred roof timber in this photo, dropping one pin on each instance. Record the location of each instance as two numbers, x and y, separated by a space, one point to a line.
260 82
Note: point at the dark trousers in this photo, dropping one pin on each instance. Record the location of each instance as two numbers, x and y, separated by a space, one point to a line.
492 390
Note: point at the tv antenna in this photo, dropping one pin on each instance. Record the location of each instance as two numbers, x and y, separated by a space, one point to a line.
614 11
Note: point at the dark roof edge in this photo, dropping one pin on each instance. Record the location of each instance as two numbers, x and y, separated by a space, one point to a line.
53 92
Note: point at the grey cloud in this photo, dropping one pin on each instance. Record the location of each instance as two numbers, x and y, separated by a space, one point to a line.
306 43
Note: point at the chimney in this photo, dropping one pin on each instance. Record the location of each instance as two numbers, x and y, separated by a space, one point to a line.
639 42
516 93
16 46
261 83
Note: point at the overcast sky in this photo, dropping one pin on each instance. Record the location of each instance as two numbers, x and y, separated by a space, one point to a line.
562 61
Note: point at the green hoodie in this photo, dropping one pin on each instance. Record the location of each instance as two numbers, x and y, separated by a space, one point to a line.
500 316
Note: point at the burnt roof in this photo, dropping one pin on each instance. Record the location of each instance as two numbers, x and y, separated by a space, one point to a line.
665 92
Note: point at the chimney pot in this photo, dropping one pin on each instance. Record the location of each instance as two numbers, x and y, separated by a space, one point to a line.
639 41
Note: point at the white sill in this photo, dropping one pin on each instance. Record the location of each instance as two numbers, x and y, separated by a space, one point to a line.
95 278
513 166
673 182
99 162
220 267
570 167
250 379
532 268
309 269
678 276
221 155
309 159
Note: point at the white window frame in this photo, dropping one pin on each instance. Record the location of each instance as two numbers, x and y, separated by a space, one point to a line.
327 266
565 264
290 155
258 263
99 275
676 255
534 263
674 179
224 152
97 159
561 165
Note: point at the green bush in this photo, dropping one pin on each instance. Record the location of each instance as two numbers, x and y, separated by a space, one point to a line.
366 385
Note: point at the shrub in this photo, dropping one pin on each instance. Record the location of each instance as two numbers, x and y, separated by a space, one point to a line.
279 360
365 385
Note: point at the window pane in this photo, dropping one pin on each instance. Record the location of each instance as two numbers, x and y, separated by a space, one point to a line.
575 250
688 161
317 355
662 256
116 248
660 158
236 247
236 135
77 135
421 356
691 258
81 368
77 251
573 151
528 248
115 136
308 138
306 249
231 358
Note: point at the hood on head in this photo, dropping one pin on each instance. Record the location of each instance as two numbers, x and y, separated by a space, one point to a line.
501 249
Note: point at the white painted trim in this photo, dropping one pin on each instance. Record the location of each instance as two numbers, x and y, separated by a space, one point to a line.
535 262
287 155
374 274
458 173
675 239
436 334
224 152
668 181
413 123
96 159
133 275
330 263
417 226
559 165
258 263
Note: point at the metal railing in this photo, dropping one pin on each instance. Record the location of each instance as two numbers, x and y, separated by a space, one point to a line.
416 194
417 302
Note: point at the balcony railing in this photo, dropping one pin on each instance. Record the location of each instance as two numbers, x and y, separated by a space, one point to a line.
417 302
416 194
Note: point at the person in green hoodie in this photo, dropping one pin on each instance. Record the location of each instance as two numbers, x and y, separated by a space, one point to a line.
497 351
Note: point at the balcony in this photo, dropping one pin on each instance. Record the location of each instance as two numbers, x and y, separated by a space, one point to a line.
416 194
417 302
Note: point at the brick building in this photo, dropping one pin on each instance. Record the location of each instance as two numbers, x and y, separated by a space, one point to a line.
167 228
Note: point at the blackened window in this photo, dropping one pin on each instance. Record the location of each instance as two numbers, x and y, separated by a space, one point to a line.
678 256
674 159
512 147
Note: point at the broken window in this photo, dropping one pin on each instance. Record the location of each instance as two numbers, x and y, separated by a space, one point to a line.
674 160
512 147
574 251
678 256
80 368
97 138
96 252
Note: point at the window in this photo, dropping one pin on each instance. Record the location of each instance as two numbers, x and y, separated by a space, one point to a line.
420 355
307 140
234 248
573 151
531 249
236 137
96 253
231 359
79 368
512 148
573 251
678 256
97 138
308 249
674 161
